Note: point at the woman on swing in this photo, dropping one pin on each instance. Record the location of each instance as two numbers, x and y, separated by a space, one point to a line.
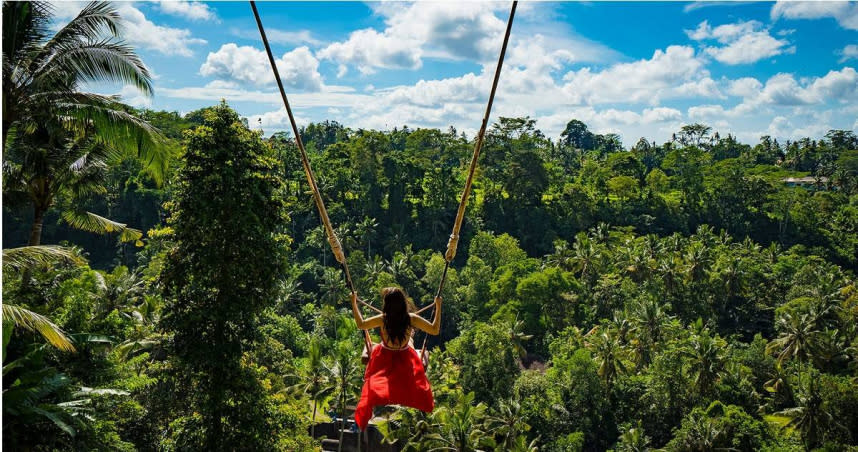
395 374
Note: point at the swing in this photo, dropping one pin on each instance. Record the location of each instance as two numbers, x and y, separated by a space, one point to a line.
336 246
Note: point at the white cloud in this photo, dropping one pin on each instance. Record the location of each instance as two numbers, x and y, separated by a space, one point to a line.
274 121
846 13
674 72
65 11
785 107
192 10
368 49
137 29
330 96
289 37
660 114
839 86
468 31
455 31
277 36
299 69
704 112
705 4
435 93
131 96
744 87
784 90
141 31
849 52
743 42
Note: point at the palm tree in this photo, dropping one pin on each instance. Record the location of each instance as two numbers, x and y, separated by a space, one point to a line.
397 267
42 73
58 139
608 354
649 320
507 424
797 339
707 359
633 439
517 337
701 433
811 418
332 286
366 229
562 256
586 255
697 260
345 371
374 267
22 259
460 427
315 382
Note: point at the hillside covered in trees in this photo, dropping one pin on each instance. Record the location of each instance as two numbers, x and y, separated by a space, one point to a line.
175 291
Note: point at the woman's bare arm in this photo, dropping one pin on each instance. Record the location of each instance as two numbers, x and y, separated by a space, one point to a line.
431 328
372 322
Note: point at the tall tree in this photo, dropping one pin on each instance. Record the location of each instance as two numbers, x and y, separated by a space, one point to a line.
219 277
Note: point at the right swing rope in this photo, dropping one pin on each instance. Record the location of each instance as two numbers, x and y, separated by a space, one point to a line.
453 243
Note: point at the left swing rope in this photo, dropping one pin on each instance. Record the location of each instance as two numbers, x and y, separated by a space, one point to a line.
336 246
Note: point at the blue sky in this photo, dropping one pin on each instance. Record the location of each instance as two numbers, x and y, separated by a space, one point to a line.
640 69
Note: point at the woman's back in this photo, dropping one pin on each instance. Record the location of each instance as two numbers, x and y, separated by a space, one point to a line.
394 344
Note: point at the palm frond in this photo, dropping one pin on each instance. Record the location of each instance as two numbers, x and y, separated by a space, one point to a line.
131 348
90 222
24 24
128 134
34 256
99 61
94 20
57 419
37 323
85 391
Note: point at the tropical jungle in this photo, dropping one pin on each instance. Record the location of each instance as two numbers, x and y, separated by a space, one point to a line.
167 282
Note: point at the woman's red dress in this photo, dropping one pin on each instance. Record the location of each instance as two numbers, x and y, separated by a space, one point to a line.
393 377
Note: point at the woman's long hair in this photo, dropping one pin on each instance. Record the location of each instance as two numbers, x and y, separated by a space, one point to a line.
396 308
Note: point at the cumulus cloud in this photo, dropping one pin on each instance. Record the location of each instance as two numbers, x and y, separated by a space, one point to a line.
744 87
141 31
463 31
138 30
742 42
299 69
849 52
277 36
274 120
130 95
368 49
782 95
670 73
192 10
845 13
440 30
784 90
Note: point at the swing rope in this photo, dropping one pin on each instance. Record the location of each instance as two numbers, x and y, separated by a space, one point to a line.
333 240
453 243
336 246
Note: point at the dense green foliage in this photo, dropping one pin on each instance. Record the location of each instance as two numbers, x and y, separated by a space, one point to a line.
226 218
681 296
